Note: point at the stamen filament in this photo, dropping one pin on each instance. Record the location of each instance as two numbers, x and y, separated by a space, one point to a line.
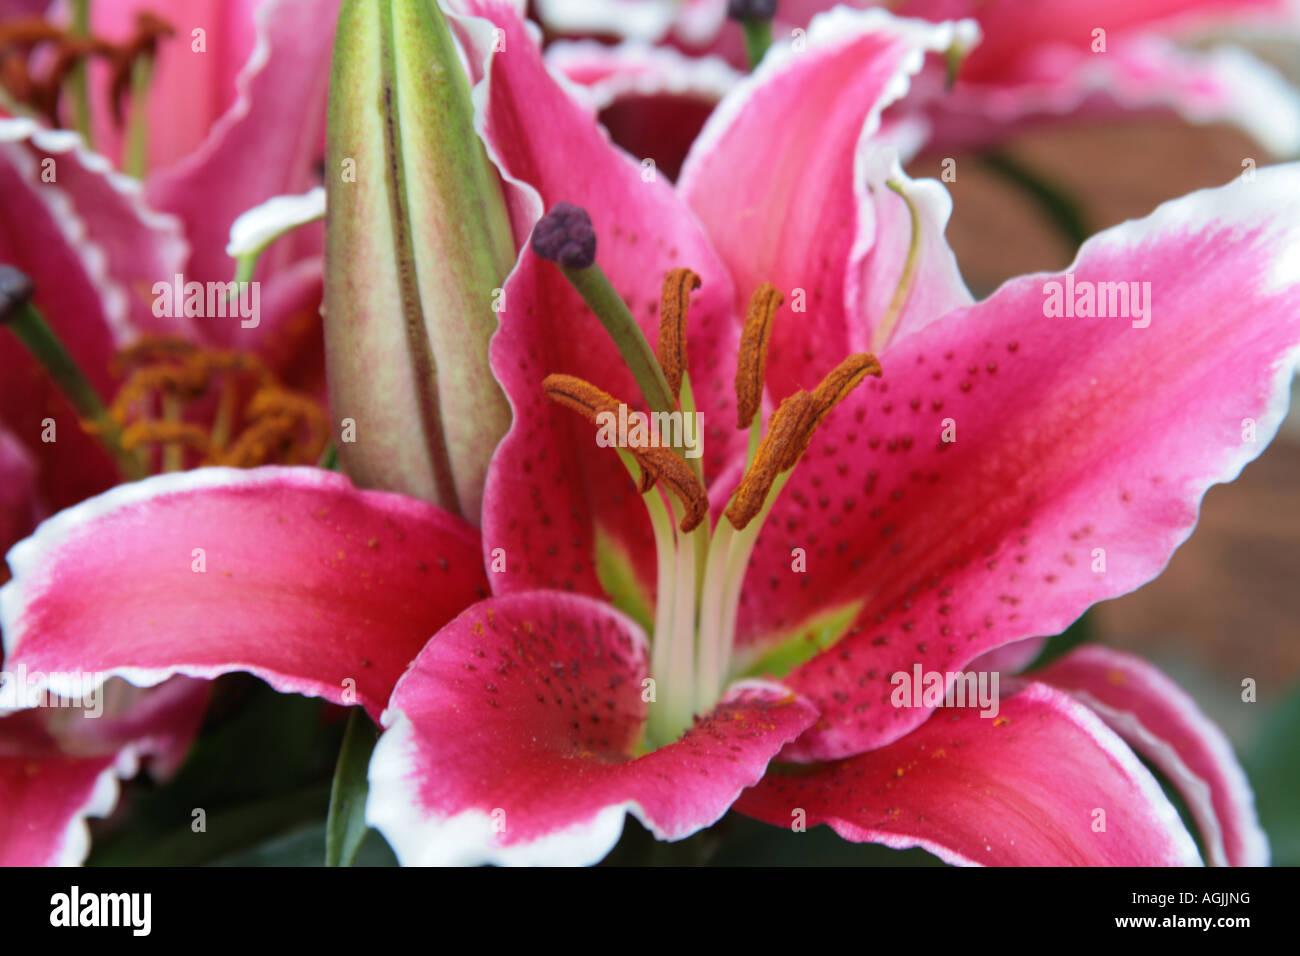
135 160
676 709
742 548
173 452
709 670
599 294
78 79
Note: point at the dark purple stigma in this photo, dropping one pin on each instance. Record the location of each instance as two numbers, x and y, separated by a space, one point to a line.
565 235
15 292
751 9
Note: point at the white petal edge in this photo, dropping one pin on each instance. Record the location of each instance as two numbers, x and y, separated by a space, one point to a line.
468 838
260 226
647 20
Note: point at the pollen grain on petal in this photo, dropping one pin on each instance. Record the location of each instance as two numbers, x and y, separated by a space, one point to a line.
674 304
751 366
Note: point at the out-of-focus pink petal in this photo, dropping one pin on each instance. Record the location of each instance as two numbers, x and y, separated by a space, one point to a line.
550 486
1045 783
307 582
47 794
512 739
59 765
652 100
19 499
128 244
193 79
267 144
159 722
1136 75
1081 448
43 233
782 178
1161 722
1011 27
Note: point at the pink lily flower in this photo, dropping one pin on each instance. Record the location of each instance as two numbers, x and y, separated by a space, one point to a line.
234 116
93 249
1035 64
538 717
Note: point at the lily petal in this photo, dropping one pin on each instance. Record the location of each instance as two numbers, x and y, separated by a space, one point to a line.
19 499
780 178
131 245
550 487
45 232
59 767
1137 74
267 144
1046 783
1161 722
303 580
512 739
652 100
1082 449
48 795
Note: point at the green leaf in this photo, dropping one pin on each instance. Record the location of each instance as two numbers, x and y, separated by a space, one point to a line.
1274 773
304 847
346 827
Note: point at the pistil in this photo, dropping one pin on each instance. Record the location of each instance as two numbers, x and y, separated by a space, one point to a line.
566 237
700 571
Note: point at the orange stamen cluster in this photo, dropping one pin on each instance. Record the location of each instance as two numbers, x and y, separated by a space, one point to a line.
274 425
789 430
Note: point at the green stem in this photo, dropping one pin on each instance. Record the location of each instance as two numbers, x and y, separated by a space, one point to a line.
1060 208
78 81
136 159
46 348
758 37
599 294
345 828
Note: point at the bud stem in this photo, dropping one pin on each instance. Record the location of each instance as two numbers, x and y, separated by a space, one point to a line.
46 348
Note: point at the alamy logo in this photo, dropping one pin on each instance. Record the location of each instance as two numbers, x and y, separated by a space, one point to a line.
74 908
211 300
20 690
951 689
633 429
1097 300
